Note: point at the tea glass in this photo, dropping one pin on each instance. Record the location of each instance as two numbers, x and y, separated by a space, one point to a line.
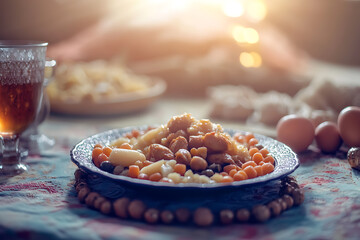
22 66
33 142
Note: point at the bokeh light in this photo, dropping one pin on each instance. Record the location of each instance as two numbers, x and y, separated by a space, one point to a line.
250 59
233 8
245 35
256 10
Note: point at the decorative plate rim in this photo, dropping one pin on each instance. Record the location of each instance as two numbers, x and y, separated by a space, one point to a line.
286 162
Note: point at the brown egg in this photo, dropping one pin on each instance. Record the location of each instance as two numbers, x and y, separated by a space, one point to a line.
349 126
327 137
296 132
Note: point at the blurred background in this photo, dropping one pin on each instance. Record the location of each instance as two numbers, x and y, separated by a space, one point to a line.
252 60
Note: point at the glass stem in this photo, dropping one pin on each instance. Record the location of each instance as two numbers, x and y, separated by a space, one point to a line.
10 150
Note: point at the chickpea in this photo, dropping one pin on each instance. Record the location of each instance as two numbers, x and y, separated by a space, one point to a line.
181 122
216 142
196 141
183 156
198 163
158 152
178 143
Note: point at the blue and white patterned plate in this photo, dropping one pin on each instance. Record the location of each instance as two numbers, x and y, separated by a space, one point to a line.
286 162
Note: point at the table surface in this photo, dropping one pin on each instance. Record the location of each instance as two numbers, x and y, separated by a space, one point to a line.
42 203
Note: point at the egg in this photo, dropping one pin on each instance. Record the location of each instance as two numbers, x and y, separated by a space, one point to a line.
349 126
296 132
327 137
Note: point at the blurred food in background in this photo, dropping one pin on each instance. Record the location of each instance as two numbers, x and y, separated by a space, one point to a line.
94 81
88 87
193 45
251 57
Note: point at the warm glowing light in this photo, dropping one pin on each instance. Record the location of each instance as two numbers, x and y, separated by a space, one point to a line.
233 8
256 10
257 59
245 35
251 59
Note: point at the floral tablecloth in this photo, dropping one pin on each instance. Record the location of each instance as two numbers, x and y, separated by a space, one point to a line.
42 204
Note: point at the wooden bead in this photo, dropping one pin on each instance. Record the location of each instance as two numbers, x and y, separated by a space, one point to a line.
275 208
298 196
182 215
151 215
226 216
83 193
286 189
291 178
282 204
288 200
105 207
79 174
203 217
260 213
90 198
243 215
98 201
136 209
121 207
167 216
295 185
79 186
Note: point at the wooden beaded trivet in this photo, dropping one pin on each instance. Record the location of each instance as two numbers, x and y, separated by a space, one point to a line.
250 204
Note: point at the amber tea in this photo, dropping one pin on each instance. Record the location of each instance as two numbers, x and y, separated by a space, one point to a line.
22 66
20 93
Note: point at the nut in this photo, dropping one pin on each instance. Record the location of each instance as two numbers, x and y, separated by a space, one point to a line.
353 157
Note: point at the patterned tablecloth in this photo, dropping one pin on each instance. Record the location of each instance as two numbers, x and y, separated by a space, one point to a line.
42 203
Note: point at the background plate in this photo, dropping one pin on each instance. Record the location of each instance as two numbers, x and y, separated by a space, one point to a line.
124 103
286 162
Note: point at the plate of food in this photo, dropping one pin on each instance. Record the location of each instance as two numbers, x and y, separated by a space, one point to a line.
101 88
184 154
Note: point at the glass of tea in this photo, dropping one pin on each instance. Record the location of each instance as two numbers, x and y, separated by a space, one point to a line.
22 66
